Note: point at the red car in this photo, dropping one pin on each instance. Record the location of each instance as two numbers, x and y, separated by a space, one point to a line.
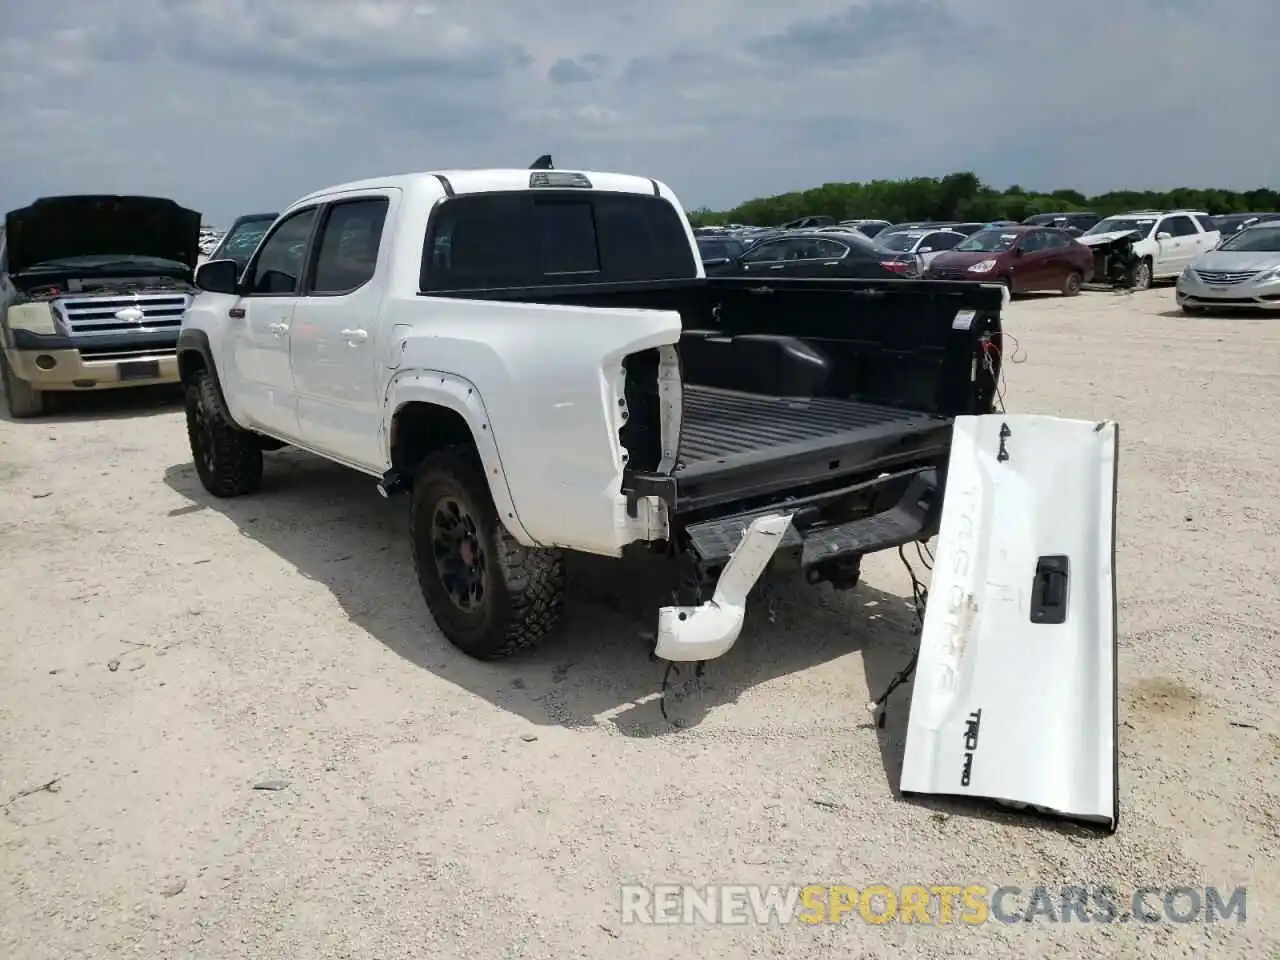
1024 259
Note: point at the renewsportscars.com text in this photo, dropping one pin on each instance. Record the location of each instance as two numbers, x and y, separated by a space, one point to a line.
942 904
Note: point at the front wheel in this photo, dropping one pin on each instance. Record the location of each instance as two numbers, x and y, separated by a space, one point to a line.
1142 276
490 595
23 399
228 460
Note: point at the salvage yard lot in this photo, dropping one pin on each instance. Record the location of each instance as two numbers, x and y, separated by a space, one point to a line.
162 654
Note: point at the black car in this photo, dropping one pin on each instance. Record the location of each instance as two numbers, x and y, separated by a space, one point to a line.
242 239
719 251
811 254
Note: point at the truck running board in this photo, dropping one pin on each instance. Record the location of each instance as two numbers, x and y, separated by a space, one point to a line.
910 519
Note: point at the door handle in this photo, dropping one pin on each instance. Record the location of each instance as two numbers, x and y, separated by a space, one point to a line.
236 313
777 266
355 337
1049 590
279 329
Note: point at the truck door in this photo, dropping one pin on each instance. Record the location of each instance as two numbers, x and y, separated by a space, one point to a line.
261 323
339 348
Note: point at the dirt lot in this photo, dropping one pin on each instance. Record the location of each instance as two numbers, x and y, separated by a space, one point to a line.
162 654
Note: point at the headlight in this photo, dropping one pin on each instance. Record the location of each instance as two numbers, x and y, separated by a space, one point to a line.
32 317
1268 275
983 266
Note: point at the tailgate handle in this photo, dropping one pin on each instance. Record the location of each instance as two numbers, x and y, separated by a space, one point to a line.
1049 592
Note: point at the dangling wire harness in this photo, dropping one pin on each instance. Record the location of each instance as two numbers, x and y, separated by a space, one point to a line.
920 601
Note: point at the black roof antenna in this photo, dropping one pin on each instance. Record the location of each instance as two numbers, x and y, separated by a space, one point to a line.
542 163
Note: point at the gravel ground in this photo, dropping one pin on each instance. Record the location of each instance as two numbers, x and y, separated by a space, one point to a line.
165 654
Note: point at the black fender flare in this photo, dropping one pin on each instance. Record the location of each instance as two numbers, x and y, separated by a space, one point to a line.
195 353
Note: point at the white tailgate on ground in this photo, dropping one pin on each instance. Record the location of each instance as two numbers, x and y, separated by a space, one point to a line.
1015 690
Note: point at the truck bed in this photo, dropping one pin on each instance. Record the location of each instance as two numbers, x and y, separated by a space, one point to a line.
736 445
723 425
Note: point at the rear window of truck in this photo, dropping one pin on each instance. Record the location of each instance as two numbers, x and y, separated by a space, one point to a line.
544 238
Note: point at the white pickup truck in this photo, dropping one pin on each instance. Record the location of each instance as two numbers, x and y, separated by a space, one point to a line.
538 360
538 357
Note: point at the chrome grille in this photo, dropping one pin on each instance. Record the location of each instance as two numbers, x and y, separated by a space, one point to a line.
116 354
95 315
1216 276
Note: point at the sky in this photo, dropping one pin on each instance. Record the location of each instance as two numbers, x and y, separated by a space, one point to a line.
236 106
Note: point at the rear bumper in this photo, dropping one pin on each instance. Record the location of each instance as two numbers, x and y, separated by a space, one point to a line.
808 531
834 525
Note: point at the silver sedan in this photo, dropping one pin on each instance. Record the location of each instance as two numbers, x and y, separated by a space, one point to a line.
1243 272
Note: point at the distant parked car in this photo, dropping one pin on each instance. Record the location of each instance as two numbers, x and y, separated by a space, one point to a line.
811 254
1071 221
1024 259
1242 273
1230 223
868 227
242 239
1165 242
719 251
809 223
917 246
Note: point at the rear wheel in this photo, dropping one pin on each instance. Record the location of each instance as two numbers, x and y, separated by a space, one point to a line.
1072 283
228 460
23 399
490 595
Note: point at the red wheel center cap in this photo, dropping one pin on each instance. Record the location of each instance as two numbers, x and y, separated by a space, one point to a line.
468 553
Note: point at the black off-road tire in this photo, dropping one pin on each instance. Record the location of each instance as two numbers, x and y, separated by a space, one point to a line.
524 588
22 400
228 460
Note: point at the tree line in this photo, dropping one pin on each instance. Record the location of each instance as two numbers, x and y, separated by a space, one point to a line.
962 196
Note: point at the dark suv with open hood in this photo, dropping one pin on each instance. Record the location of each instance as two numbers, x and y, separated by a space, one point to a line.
92 294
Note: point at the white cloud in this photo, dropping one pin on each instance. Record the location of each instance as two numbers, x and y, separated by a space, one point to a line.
235 105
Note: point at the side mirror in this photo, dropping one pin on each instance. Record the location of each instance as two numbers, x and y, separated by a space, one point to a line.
218 276
1017 251
1164 235
926 250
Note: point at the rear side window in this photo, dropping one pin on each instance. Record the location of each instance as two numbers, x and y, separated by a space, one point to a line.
533 238
349 245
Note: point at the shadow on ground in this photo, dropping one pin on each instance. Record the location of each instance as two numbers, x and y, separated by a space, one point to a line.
329 524
121 404
1219 313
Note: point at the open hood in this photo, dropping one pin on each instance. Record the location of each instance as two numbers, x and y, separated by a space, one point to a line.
57 227
1099 239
